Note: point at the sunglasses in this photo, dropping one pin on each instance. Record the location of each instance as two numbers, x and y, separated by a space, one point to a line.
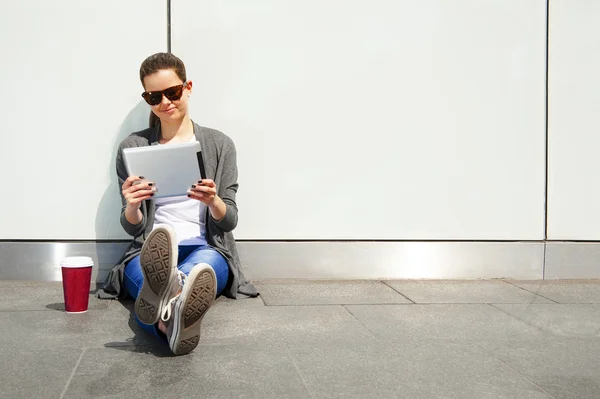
173 93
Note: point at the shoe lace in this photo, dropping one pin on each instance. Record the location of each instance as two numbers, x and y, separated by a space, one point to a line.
167 309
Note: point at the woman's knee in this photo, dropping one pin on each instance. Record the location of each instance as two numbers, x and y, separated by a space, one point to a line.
213 258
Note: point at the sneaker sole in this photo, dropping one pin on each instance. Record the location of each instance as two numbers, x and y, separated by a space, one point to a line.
158 260
197 297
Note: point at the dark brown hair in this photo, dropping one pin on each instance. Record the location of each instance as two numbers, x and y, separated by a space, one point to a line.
158 62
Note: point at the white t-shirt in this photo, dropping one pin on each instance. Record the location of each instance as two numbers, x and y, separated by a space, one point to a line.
187 216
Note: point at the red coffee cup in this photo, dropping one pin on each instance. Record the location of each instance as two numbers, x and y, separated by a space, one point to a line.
76 275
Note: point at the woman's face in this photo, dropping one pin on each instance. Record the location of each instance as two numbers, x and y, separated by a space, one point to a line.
167 110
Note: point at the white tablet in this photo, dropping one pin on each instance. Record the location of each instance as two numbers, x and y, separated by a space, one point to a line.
172 167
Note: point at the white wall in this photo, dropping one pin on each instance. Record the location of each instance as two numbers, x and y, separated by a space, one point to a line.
384 119
70 93
574 126
375 120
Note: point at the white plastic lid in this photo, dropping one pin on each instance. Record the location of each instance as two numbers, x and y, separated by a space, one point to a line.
77 261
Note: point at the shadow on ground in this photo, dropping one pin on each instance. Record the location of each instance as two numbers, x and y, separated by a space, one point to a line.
142 342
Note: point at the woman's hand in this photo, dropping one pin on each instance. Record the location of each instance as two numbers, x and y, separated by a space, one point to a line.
204 191
135 190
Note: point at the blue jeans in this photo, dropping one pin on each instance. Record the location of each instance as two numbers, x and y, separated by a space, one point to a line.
189 256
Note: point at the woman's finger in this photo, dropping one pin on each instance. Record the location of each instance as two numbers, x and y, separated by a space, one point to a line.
207 182
198 196
139 196
139 199
141 187
203 189
131 180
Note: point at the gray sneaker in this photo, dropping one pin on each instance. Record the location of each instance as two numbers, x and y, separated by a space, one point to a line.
185 311
159 266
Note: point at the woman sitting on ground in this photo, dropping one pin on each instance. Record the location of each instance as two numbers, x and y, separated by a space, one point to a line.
183 254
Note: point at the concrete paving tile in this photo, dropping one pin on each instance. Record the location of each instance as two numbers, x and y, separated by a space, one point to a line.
398 322
122 311
505 350
27 283
29 372
564 368
37 283
249 321
38 296
224 303
564 291
563 320
299 292
232 371
476 291
125 307
232 324
410 369
95 328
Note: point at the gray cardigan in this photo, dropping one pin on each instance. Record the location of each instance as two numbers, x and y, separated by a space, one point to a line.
219 154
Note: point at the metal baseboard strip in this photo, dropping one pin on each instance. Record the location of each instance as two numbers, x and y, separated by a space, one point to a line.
393 260
40 261
572 260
